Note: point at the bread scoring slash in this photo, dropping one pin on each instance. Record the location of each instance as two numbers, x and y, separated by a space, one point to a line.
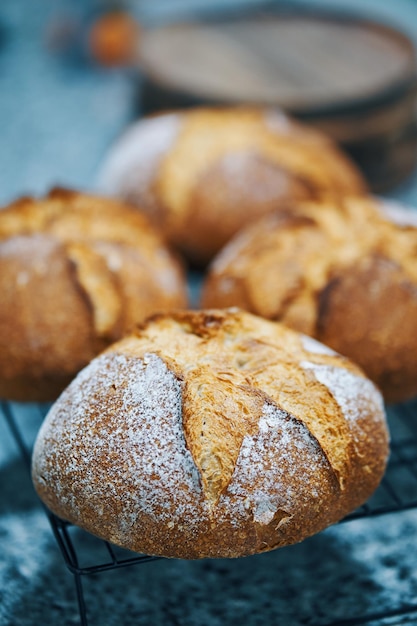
212 434
342 272
202 173
77 272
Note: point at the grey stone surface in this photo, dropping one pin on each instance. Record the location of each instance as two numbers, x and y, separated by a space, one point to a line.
58 115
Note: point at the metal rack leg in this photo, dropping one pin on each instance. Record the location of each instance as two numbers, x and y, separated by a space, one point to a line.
80 597
8 415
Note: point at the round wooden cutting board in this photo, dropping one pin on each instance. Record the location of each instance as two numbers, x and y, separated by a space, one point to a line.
353 78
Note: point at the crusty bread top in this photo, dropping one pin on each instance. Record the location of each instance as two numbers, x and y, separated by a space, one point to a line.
233 351
307 246
345 273
112 247
212 433
76 273
203 173
71 215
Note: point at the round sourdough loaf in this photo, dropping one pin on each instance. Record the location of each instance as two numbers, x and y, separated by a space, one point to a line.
76 272
344 273
203 173
211 434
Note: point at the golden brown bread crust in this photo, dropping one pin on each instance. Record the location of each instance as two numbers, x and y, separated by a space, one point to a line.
344 274
76 273
211 434
203 173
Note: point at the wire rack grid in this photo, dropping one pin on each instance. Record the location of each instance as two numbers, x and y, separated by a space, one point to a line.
397 492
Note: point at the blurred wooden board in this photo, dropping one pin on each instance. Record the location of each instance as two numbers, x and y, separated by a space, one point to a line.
353 78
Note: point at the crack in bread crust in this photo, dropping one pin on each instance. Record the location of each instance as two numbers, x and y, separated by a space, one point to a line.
330 270
96 268
202 174
212 433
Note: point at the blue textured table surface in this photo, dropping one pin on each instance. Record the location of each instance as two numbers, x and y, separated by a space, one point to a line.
58 117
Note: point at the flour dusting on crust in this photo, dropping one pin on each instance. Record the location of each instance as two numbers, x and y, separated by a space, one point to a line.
119 425
352 393
289 460
315 347
132 161
398 214
121 452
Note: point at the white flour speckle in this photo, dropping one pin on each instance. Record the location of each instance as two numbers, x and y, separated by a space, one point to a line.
277 121
351 392
397 213
287 457
315 347
130 445
22 279
131 163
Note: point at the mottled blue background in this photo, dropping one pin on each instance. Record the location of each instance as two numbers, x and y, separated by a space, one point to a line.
58 116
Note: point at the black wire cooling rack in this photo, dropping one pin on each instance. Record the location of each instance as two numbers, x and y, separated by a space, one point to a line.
397 492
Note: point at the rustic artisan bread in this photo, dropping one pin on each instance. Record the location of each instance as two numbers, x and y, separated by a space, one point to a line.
211 434
202 174
345 274
76 272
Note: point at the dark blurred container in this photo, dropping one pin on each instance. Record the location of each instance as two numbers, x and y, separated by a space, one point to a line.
351 77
